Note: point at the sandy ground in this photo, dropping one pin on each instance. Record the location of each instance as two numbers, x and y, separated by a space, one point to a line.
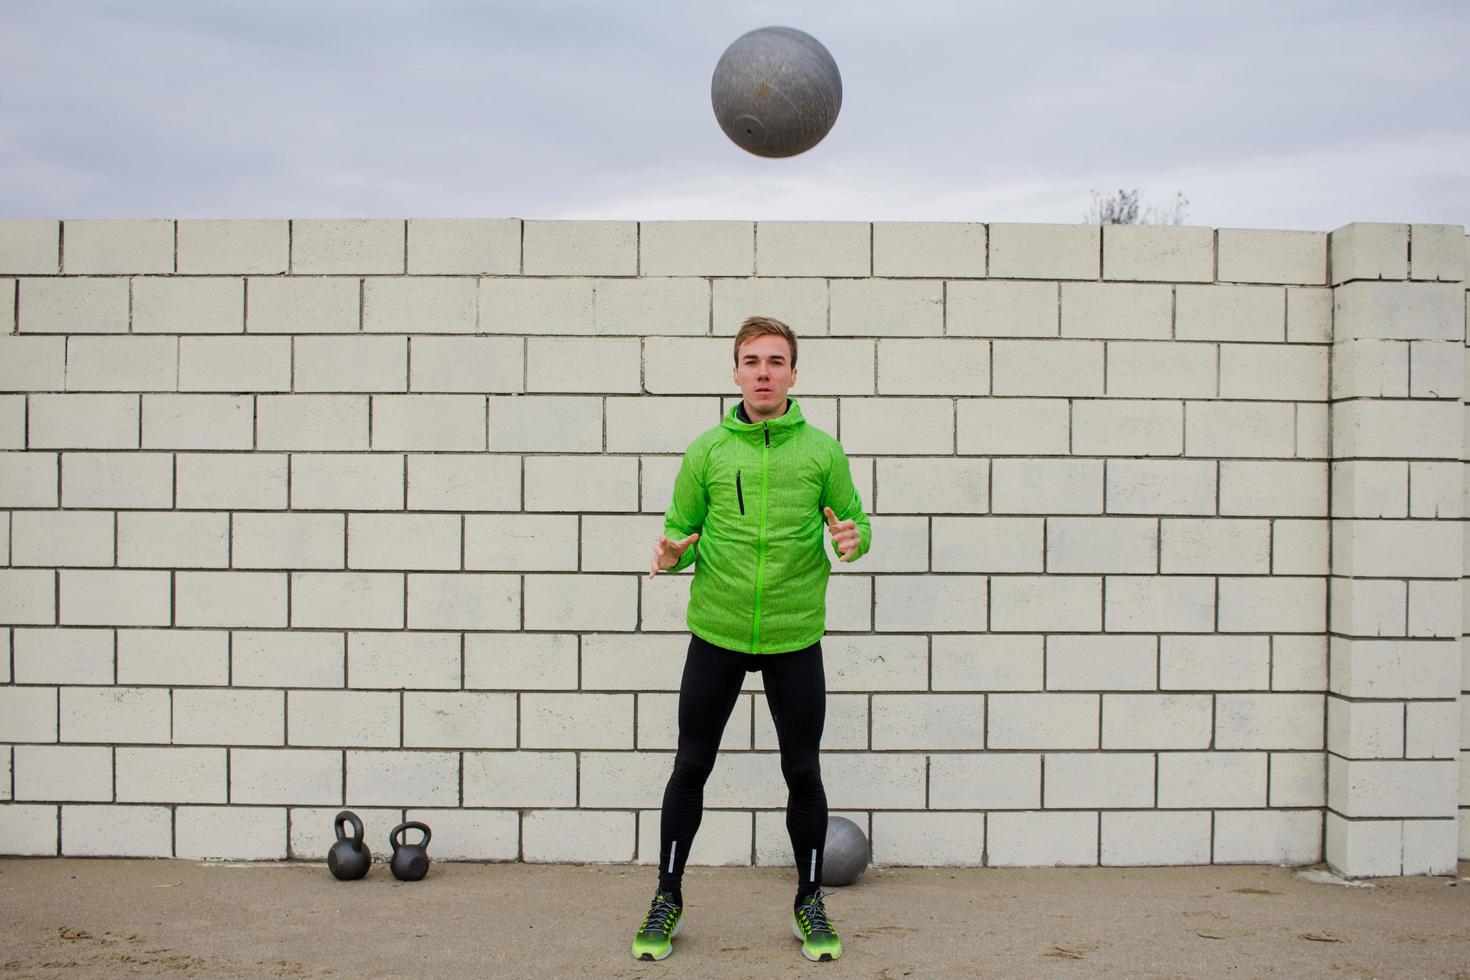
108 918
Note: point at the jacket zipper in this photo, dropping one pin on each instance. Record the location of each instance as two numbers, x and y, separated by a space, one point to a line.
739 493
760 560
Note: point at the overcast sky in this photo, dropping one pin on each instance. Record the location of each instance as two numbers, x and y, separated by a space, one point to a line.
1275 114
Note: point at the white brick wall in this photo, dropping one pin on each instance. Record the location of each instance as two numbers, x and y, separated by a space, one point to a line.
388 552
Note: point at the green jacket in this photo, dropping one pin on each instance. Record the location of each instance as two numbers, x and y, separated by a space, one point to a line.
755 493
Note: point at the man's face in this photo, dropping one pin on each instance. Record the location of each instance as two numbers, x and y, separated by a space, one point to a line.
764 373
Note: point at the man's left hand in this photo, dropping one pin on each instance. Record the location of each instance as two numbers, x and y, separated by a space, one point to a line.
844 534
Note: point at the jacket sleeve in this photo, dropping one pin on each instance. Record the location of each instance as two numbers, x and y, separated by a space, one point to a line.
689 505
842 497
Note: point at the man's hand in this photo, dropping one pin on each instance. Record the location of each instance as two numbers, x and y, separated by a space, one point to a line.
844 534
666 553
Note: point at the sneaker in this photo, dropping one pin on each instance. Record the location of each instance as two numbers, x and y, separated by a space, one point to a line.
655 939
810 924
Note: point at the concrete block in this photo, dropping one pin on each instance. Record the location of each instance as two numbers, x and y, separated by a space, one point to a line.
228 717
177 540
464 246
7 306
580 248
1397 549
813 248
896 425
1399 669
1436 369
987 663
1037 838
1363 848
875 663
546 423
1370 488
1430 847
928 486
1213 779
30 247
1397 311
285 659
312 831
352 600
1369 250
474 835
657 425
1089 779
1012 426
929 249
1437 253
801 303
1255 255
1273 488
117 247
1436 490
424 305
1091 663
1154 837
350 364
256 599
1001 309
1158 253
1045 603
581 602
581 484
1299 548
463 601
63 773
30 714
1298 779
933 367
346 481
121 363
928 839
1042 721
724 840
1155 721
62 538
59 656
920 604
210 481
555 364
72 306
1047 486
234 832
29 830
234 364
1271 371
1127 428
592 836
1216 545
581 721
521 542
1041 251
1290 838
303 304
1269 721
1284 605
312 422
83 422
1391 788
1054 368
1214 663
623 779
1298 663
854 780
887 307
394 661
1309 316
1230 313
310 776
113 598
190 306
459 720
1433 730
625 662
1153 370
1432 608
1159 604
31 479
181 658
541 306
1116 310
169 775
1365 729
662 604
32 364
117 831
696 248
352 246
285 541
28 597
648 307
402 779
233 247
987 544
520 779
623 544
458 483
928 721
198 422
403 541
108 714
1240 429
520 662
1367 608
447 423
985 781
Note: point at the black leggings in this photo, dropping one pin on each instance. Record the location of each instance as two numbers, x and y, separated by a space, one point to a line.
796 690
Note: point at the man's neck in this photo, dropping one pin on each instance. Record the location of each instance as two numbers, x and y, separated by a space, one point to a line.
746 415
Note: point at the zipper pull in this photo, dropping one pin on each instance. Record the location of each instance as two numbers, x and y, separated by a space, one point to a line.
767 427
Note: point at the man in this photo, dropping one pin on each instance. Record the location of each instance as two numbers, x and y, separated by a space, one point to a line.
750 503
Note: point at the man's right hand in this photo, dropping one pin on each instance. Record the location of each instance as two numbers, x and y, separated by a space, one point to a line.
666 554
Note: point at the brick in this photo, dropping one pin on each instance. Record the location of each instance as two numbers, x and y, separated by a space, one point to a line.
1437 369
987 663
1041 251
463 483
1102 544
174 540
1298 779
928 486
1149 604
1286 838
464 246
336 718
348 364
933 367
1437 252
230 599
696 248
30 714
985 781
1393 668
62 538
653 425
578 835
1079 780
801 303
1230 313
1430 847
1160 487
1413 430
170 775
459 720
112 247
420 305
63 772
617 544
173 657
1268 721
83 422
1001 309
623 779
647 307
1397 311
928 721
724 840
813 248
580 248
1214 663
578 484
117 831
240 247
1058 839
1155 370
546 424
105 714
1359 848
474 835
520 779
1042 721
114 598
1112 310
1285 605
520 661
408 541
1391 788
464 601
1239 429
1394 549
344 481
354 600
1158 253
78 305
61 656
190 306
1299 663
1370 488
898 425
1270 371
210 481
944 839
1047 486
303 304
614 662
1127 428
915 603
28 597
198 422
581 602
1013 427
1215 545
835 367
1365 729
987 544
1212 779
312 422
1091 663
1309 316
239 833
283 541
30 247
929 249
1370 368
586 721
286 659
397 660
1365 607
1368 250
1299 548
573 366
885 780
682 366
1260 256
885 307
1273 489
32 364
473 365
536 306
1155 838
875 663
402 779
350 246
1156 721
1058 368
1043 603
234 364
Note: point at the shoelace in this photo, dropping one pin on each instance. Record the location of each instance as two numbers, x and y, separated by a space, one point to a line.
816 916
660 916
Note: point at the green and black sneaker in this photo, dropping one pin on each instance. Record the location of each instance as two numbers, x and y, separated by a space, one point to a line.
810 924
655 939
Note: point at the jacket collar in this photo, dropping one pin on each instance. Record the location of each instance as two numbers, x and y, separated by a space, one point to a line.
781 428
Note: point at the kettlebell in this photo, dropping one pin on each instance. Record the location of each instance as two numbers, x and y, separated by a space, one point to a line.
349 858
410 862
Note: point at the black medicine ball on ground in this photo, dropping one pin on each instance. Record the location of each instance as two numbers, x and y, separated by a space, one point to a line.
776 92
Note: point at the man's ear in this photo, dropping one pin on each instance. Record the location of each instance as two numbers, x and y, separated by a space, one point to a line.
793 378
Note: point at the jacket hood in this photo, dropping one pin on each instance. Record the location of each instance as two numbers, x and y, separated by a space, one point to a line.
781 428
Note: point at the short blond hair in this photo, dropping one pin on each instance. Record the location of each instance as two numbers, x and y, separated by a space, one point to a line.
757 326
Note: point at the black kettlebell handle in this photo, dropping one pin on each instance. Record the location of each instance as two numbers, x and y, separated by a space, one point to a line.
347 816
395 837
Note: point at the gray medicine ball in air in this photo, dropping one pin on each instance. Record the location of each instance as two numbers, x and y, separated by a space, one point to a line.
846 855
776 92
